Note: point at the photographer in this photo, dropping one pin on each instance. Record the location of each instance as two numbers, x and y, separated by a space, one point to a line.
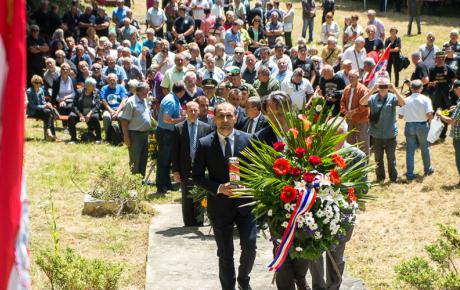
331 86
383 128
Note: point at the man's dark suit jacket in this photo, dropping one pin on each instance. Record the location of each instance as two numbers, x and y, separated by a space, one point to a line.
209 156
262 122
181 161
266 135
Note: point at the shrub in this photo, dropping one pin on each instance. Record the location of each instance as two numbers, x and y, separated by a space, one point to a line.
441 272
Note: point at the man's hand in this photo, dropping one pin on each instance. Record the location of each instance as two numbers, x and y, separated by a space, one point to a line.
176 176
48 105
82 118
88 116
392 87
226 189
62 104
127 141
114 114
350 114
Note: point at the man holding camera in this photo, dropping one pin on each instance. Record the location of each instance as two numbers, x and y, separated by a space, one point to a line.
382 100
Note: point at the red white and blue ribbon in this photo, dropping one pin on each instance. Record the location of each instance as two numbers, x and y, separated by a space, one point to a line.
302 206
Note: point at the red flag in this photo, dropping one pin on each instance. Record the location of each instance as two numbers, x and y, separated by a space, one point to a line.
381 65
12 92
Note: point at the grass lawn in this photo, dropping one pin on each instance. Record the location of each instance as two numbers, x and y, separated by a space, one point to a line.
396 225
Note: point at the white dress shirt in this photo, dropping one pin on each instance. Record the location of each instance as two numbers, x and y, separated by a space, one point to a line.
254 124
231 139
416 108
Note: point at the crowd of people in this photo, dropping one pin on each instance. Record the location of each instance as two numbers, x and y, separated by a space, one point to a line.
207 70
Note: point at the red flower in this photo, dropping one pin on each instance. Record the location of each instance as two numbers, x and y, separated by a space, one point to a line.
339 161
300 152
309 141
334 177
294 132
315 160
351 194
289 194
281 166
308 177
295 171
279 146
316 117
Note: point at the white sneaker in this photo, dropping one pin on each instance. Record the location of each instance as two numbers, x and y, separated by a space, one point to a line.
71 143
98 142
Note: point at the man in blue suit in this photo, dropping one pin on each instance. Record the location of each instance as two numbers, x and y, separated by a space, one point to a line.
212 154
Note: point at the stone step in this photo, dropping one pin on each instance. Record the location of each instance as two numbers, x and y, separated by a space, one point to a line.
185 258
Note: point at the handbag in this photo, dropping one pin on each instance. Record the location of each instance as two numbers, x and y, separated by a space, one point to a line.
403 62
436 127
375 117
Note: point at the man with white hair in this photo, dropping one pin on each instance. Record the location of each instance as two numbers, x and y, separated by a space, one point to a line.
417 113
380 31
331 88
113 98
127 29
331 51
344 72
356 115
210 70
164 58
453 42
421 71
192 91
355 157
132 71
429 50
356 54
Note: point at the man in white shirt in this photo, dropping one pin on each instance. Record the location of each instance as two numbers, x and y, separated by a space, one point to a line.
428 50
156 18
298 88
255 121
210 71
356 54
417 113
198 7
165 58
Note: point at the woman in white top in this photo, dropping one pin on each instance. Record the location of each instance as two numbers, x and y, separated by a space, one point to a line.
352 32
299 88
329 28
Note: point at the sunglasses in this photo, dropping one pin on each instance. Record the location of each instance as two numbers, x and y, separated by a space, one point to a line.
239 52
96 68
383 87
256 20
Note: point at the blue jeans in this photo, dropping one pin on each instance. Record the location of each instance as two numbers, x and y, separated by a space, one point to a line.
457 154
417 132
164 140
308 22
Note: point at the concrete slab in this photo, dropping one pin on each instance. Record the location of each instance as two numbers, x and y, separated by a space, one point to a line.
182 258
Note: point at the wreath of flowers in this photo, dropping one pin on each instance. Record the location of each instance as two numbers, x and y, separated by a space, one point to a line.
304 162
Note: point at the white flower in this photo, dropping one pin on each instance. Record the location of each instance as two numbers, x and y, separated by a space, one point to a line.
329 214
326 221
270 212
317 235
299 249
287 206
284 225
313 227
318 108
309 214
292 206
288 215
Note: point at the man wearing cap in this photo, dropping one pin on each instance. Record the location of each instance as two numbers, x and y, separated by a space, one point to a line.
136 122
236 81
429 50
441 78
383 128
184 25
417 113
185 141
156 18
233 37
356 54
209 88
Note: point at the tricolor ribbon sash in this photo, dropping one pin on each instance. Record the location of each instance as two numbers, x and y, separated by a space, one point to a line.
303 205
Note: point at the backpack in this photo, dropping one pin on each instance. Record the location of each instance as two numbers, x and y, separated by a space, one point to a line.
403 63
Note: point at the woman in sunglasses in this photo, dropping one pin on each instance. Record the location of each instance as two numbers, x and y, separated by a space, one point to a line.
256 33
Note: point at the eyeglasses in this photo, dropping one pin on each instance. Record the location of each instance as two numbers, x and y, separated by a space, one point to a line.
37 83
239 52
96 68
256 20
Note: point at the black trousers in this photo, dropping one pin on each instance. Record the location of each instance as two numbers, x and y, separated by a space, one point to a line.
223 233
394 63
46 116
292 273
138 151
288 39
190 209
93 124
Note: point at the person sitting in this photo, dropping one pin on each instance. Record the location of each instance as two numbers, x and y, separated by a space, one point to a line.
86 109
39 108
64 91
113 97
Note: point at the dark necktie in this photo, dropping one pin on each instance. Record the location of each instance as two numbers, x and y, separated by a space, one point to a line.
211 73
251 123
192 140
228 148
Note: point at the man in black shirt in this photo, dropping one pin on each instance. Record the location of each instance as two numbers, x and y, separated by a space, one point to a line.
183 25
102 22
331 86
421 71
441 79
452 60
304 62
86 20
36 49
41 17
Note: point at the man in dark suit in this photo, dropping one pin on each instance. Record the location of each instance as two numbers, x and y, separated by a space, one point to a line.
185 140
333 281
213 154
235 97
254 121
293 271
203 114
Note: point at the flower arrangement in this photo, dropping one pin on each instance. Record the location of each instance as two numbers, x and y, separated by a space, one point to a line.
303 188
199 196
153 144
